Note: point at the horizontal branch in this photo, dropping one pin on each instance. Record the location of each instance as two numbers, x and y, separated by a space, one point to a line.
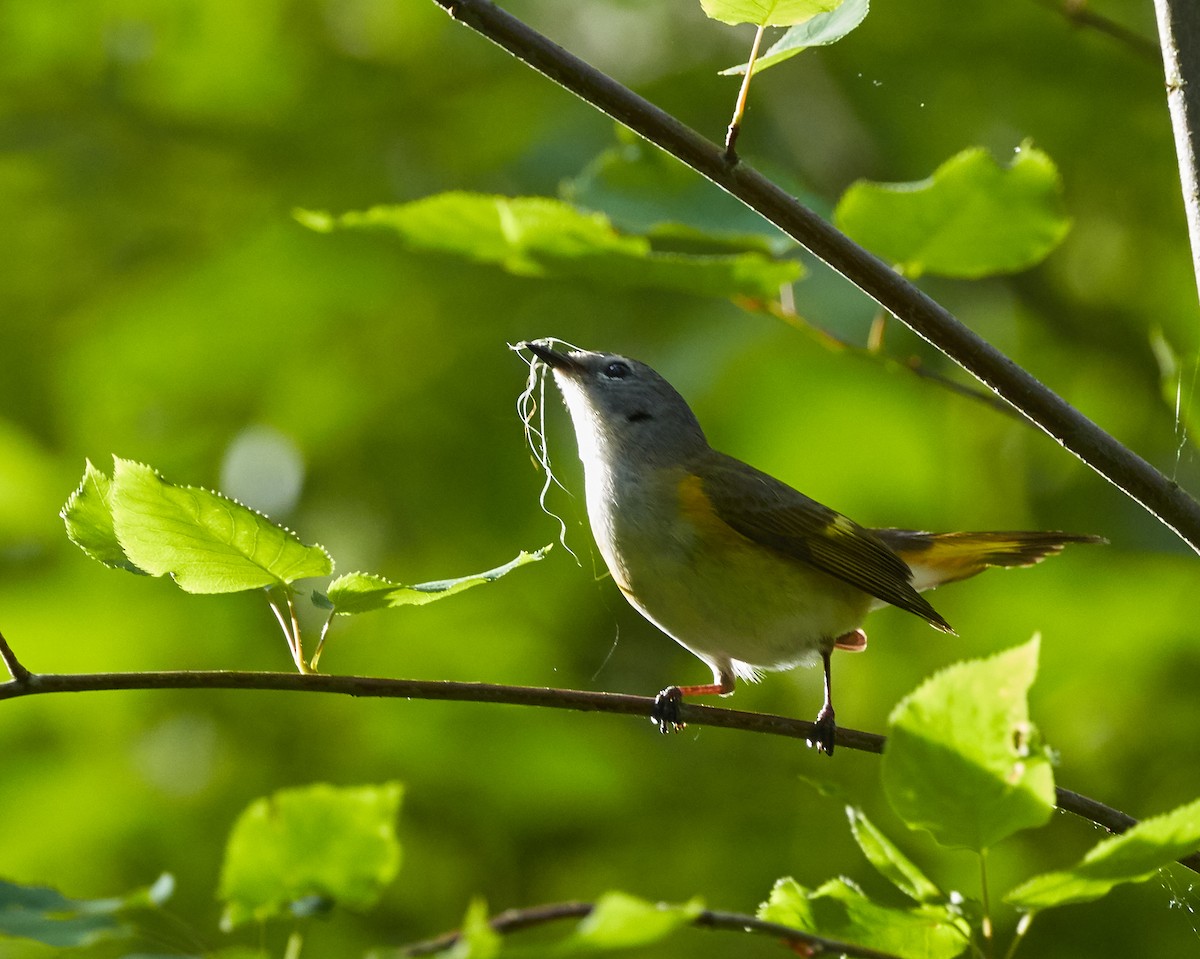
33 684
514 920
1161 497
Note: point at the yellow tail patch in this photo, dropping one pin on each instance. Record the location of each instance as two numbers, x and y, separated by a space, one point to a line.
947 557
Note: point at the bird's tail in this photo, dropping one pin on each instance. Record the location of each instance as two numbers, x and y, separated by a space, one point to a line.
937 558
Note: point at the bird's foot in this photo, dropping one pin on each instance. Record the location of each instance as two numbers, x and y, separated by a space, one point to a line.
825 731
665 712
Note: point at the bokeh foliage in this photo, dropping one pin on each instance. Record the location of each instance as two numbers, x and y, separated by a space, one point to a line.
159 302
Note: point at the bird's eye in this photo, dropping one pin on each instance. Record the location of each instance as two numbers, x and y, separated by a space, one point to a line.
616 370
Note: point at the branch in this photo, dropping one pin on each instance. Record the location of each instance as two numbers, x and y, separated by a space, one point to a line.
1163 498
1077 13
33 684
1179 35
18 672
514 920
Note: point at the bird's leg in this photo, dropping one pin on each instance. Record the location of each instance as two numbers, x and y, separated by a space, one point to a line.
826 727
854 641
665 712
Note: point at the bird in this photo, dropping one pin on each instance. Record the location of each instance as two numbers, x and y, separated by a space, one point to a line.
742 570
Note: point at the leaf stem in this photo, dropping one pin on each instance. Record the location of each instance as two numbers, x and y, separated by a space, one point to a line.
316 656
291 630
18 672
514 920
986 900
739 108
1023 925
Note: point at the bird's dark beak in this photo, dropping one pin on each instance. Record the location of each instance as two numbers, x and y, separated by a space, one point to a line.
552 358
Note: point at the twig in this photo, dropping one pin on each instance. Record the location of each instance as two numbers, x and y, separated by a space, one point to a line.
1179 36
1078 14
1163 498
913 363
18 672
514 920
34 684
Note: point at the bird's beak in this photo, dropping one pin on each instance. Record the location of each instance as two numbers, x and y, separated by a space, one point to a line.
552 358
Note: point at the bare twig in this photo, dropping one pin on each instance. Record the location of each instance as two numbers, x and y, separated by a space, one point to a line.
912 363
18 672
1163 498
514 920
1179 36
33 684
1078 13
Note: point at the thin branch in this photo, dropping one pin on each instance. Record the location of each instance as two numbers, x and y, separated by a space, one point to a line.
1078 14
18 672
913 363
1179 36
1163 498
34 684
514 920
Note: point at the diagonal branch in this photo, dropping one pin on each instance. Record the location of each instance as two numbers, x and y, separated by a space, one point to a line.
1163 498
514 920
33 684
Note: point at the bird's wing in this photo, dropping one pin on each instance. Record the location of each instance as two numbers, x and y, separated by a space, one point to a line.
773 514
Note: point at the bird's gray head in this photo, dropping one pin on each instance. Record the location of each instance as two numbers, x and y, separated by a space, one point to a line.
622 408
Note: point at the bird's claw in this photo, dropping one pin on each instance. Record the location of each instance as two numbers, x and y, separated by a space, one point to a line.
665 712
824 732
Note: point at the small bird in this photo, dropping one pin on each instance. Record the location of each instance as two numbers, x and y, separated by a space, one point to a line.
737 567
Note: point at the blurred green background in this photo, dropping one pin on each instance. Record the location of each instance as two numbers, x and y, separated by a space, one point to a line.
158 301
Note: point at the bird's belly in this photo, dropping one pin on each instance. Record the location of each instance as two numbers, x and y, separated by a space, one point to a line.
724 597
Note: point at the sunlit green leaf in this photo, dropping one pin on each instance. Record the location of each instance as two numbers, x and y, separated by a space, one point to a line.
541 237
89 520
962 759
206 542
47 916
337 844
363 592
972 218
772 13
1133 856
622 921
891 863
821 30
840 910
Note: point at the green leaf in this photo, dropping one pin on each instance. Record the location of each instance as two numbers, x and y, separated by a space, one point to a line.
47 916
891 863
541 237
363 592
622 921
89 521
821 30
972 218
840 910
206 542
771 13
1134 856
962 759
645 190
338 844
476 937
